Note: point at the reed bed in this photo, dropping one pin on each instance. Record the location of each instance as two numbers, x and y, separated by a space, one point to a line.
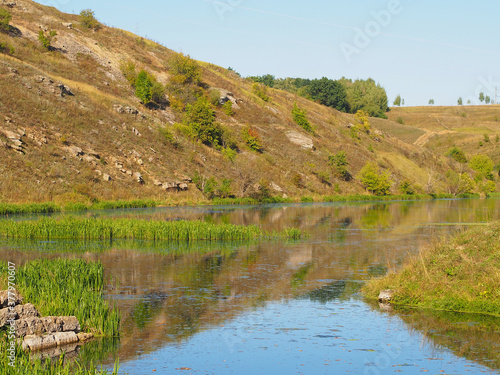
134 229
38 208
67 287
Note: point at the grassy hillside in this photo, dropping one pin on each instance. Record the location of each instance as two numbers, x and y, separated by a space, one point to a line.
89 145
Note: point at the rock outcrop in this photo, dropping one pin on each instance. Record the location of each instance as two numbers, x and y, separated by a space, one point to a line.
35 332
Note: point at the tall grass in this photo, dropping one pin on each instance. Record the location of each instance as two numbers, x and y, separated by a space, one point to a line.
109 229
67 287
14 209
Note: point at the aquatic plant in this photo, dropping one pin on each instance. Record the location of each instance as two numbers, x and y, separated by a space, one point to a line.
68 287
109 229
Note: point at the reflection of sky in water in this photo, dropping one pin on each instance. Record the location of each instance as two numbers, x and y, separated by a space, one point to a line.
218 308
297 336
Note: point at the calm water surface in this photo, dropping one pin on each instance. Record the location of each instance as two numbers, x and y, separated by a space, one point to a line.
281 307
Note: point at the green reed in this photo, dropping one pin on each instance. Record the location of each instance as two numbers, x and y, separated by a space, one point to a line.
39 208
69 287
134 229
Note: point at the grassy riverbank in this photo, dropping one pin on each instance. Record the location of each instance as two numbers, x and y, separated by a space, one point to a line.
61 287
50 207
108 229
460 274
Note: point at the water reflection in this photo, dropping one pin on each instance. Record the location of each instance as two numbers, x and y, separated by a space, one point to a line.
170 293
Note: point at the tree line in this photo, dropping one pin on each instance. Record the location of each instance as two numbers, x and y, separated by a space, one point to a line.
344 94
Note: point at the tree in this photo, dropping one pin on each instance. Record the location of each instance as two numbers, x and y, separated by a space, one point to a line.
252 139
487 99
184 69
47 39
481 97
5 18
374 180
88 20
300 118
339 163
267 79
483 165
328 92
200 118
460 101
148 89
366 95
431 101
457 154
397 101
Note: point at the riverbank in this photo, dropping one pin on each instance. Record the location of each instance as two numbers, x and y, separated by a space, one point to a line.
60 287
51 207
460 274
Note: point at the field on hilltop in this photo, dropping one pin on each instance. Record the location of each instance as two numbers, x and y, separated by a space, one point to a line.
74 129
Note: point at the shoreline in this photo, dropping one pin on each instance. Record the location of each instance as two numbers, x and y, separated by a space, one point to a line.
51 207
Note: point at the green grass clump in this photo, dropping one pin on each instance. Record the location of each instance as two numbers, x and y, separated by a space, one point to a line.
39 208
133 229
461 274
67 287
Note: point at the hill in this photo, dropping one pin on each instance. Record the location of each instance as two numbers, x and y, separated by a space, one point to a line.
72 128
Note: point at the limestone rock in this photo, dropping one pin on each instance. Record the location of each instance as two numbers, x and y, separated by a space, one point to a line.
32 342
300 140
386 295
275 187
183 186
75 151
82 337
65 90
138 177
69 25
106 177
15 298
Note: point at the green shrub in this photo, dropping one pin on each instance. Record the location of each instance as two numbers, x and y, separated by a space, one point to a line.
486 138
5 18
211 188
339 164
457 154
261 91
200 118
47 39
228 108
297 181
300 118
363 119
184 70
88 20
128 70
400 120
375 181
6 48
169 138
406 188
252 139
483 165
148 89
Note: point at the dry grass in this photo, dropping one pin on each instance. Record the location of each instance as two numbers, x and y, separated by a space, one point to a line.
89 64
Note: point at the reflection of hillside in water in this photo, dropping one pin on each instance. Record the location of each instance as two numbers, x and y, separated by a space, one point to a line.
168 292
472 336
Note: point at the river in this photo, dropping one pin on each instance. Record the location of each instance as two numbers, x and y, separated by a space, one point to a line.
281 307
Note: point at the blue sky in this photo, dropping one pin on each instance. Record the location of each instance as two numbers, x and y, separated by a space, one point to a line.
439 49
